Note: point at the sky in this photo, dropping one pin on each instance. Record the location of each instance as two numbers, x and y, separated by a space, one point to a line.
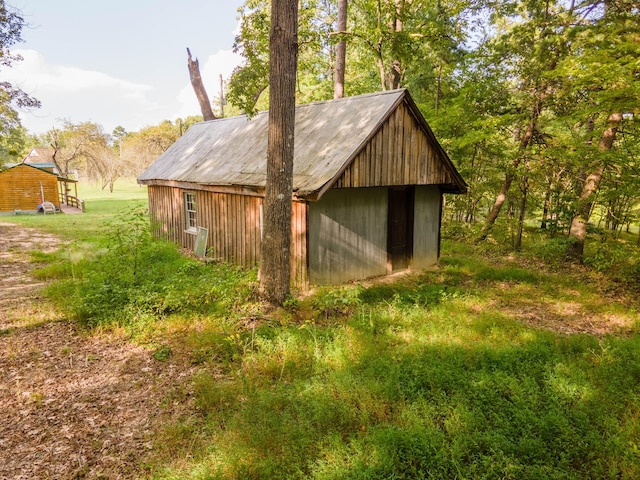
120 62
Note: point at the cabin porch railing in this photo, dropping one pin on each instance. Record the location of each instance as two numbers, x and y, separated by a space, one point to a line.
72 201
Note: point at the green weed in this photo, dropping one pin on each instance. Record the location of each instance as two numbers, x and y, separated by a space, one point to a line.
443 374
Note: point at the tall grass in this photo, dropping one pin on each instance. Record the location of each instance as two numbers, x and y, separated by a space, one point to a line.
425 377
433 375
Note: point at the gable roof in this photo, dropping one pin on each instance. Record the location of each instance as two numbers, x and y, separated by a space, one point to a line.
36 166
328 136
39 155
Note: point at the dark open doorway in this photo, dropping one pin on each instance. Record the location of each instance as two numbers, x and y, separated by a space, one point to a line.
400 225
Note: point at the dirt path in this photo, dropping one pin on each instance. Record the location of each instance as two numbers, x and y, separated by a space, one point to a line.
72 405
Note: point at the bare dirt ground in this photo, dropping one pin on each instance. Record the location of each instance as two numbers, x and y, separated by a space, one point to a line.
72 404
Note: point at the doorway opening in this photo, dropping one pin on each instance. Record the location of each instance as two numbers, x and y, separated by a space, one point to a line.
400 228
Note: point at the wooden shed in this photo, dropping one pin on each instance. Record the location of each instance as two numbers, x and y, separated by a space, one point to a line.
23 187
368 181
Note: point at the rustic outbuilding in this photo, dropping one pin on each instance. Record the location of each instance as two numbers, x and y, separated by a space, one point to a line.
24 187
368 181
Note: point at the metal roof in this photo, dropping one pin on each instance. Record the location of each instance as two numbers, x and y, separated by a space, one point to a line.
233 151
38 166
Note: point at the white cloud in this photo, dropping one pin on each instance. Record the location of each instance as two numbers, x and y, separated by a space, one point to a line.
75 94
78 95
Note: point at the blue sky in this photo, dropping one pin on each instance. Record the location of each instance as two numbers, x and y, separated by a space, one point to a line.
120 62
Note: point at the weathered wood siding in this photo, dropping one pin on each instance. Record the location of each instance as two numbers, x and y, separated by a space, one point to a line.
20 188
426 231
166 208
348 235
234 226
398 154
233 221
299 244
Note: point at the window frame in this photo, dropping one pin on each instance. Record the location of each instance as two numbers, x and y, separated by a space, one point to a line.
190 212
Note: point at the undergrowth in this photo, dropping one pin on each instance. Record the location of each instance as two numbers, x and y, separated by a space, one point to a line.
431 375
422 377
130 279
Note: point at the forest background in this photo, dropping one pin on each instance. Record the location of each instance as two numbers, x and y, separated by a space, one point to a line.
536 102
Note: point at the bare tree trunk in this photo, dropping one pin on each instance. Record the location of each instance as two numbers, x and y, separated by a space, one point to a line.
438 86
341 51
546 205
523 208
395 72
198 88
508 180
578 229
276 241
381 70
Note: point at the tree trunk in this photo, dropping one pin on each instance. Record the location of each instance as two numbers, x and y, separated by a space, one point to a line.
198 88
546 205
508 180
396 27
341 51
578 229
276 240
523 208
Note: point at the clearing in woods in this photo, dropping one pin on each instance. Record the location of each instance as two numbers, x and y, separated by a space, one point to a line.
77 404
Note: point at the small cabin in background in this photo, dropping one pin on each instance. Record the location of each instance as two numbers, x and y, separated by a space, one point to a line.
24 187
41 158
368 181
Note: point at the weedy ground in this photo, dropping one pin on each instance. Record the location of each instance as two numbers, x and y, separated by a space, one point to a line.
494 365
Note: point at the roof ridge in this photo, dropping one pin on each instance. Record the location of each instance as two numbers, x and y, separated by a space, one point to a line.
311 104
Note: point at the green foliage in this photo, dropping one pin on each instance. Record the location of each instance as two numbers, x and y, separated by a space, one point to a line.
431 375
12 98
332 302
423 377
135 279
413 382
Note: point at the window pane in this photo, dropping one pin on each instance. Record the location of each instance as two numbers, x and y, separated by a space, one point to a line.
190 211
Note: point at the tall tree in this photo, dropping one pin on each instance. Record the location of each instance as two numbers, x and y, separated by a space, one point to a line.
11 97
341 50
591 184
530 49
276 240
601 83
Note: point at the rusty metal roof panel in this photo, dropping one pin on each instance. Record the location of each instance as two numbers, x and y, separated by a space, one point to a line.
233 151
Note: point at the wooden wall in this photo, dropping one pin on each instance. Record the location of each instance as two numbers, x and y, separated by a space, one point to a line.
234 223
166 208
234 226
299 245
348 235
399 154
426 227
20 188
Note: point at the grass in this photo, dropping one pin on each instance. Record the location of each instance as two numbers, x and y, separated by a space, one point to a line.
431 376
101 208
493 366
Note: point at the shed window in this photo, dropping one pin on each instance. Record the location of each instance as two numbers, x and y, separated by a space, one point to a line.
190 212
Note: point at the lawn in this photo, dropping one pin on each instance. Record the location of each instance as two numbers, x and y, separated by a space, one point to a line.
102 208
494 365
